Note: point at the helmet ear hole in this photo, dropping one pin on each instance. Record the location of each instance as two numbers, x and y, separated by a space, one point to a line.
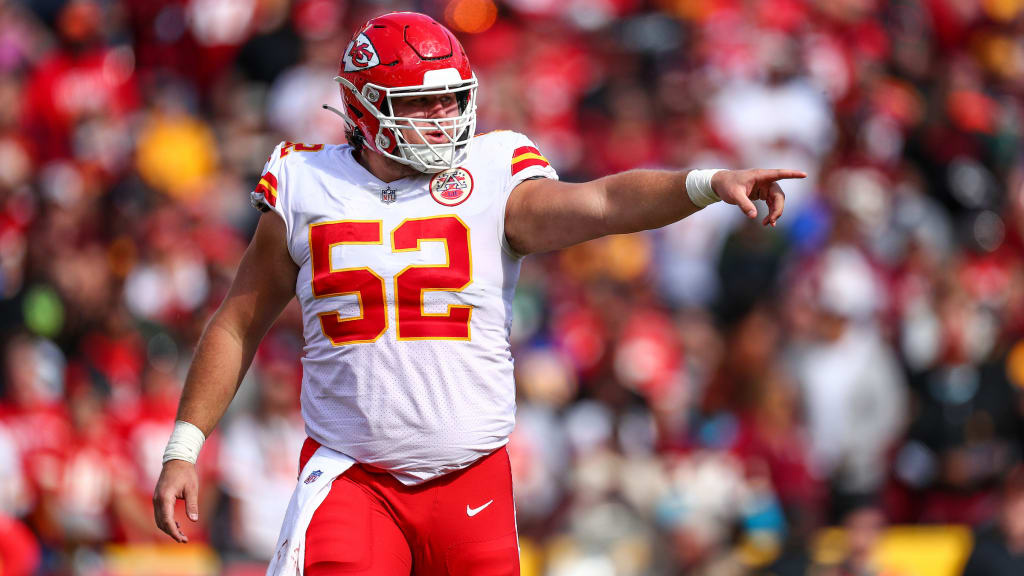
383 141
355 138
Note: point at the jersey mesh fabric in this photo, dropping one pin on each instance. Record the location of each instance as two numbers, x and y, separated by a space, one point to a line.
417 408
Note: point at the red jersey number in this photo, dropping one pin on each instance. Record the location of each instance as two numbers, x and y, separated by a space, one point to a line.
453 276
372 321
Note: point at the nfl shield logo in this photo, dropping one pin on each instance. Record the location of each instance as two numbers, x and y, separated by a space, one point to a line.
388 195
312 477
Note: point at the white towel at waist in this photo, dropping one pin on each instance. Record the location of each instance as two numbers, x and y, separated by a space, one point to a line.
314 483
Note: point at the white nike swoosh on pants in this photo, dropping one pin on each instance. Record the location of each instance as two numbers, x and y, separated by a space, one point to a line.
474 511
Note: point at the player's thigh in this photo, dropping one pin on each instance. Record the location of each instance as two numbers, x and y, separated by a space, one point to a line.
486 556
352 533
474 528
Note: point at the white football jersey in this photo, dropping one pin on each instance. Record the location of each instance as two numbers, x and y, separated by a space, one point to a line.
406 293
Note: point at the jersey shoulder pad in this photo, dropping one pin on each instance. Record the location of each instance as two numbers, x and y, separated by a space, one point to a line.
266 195
286 148
512 149
524 159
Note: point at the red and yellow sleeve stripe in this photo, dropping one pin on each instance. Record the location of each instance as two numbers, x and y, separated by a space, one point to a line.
526 156
268 187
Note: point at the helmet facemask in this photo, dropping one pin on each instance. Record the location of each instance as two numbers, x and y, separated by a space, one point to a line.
426 157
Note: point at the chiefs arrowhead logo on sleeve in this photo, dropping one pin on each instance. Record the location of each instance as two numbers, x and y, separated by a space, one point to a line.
526 156
268 187
360 54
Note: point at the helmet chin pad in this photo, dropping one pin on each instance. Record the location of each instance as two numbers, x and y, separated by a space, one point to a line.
431 158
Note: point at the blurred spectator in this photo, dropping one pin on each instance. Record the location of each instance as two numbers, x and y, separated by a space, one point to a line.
19 551
293 109
34 413
259 459
81 487
770 436
854 390
999 549
14 498
774 116
863 523
538 449
84 80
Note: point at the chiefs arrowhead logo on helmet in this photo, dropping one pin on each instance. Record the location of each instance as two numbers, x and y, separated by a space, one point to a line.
360 54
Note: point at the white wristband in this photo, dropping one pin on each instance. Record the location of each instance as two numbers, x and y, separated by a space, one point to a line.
185 442
698 187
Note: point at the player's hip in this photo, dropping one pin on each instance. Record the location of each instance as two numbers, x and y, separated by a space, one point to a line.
460 523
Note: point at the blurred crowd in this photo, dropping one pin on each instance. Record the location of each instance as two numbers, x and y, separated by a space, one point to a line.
700 399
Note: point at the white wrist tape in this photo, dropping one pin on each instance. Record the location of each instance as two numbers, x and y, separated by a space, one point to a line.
185 442
698 187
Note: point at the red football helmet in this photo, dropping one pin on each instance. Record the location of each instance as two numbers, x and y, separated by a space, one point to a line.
404 54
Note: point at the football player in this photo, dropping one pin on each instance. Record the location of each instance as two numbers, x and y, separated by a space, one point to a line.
403 247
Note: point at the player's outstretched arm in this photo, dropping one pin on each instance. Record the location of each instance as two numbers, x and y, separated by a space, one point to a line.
263 286
543 214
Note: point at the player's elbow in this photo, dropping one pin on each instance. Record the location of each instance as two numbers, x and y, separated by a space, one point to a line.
222 327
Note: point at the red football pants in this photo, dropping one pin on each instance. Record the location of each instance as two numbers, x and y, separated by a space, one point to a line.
462 523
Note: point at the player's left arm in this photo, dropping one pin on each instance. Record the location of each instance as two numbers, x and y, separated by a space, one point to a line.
544 214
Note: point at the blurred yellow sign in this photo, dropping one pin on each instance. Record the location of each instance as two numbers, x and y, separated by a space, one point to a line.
906 550
162 560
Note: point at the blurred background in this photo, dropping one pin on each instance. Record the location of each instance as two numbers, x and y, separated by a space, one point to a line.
842 395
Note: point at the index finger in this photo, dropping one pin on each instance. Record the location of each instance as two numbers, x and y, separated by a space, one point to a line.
778 174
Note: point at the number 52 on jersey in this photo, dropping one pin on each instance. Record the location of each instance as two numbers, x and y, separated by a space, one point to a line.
413 323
